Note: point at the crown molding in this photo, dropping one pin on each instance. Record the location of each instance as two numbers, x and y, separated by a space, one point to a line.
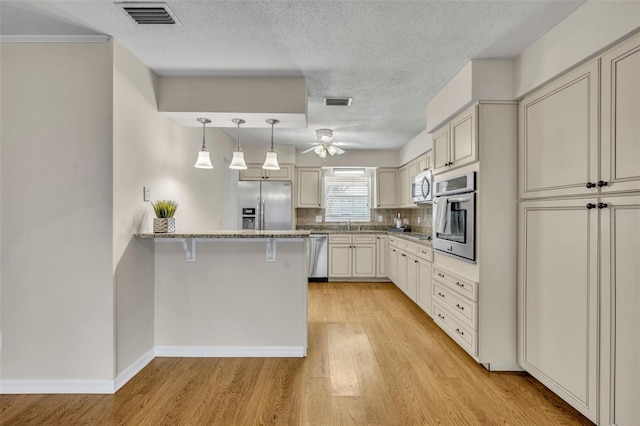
54 38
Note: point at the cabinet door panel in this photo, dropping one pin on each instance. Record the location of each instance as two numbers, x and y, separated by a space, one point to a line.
381 256
339 260
620 354
364 260
558 136
463 139
411 288
386 188
284 173
441 150
559 298
253 172
424 285
401 274
404 186
621 117
392 264
309 187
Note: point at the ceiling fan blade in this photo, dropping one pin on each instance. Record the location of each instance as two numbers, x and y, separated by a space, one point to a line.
308 150
339 150
347 143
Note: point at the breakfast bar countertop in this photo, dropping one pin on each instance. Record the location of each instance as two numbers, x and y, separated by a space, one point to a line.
229 234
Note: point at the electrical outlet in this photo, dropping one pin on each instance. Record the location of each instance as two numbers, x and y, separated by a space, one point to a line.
146 193
380 218
418 220
318 219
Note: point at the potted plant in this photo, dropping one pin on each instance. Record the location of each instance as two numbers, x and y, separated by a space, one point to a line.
164 222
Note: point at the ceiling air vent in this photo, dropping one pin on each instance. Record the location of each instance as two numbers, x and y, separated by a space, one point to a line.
149 13
338 101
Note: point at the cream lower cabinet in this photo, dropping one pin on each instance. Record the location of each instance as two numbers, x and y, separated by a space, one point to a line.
392 262
425 268
620 290
381 256
411 284
558 298
352 256
455 307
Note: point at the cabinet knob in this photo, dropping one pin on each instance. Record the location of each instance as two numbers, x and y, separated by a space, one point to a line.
591 185
415 261
591 206
603 183
458 284
603 205
459 307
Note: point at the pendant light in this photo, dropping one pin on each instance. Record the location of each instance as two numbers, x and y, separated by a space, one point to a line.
237 162
271 162
204 161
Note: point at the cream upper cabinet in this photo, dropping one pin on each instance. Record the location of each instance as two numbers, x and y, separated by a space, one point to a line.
620 339
386 188
558 137
456 143
309 184
256 172
422 163
558 298
429 159
381 256
404 189
620 115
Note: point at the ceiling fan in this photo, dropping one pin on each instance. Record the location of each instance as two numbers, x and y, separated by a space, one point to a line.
326 145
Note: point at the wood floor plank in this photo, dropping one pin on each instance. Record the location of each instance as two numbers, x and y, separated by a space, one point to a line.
374 359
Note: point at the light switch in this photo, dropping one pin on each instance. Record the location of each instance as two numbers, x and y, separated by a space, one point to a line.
146 193
318 219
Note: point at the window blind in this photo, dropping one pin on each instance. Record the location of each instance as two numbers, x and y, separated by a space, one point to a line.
347 197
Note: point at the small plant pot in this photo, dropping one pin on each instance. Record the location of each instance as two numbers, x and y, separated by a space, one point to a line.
164 225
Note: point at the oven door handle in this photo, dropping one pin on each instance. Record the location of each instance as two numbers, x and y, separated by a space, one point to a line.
458 199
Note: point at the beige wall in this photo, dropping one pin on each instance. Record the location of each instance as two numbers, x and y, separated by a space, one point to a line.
416 146
151 150
56 174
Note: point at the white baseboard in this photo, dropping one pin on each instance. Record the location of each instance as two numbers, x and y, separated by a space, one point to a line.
19 386
81 386
128 373
232 351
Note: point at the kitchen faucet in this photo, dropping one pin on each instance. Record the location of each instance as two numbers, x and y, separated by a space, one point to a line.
349 224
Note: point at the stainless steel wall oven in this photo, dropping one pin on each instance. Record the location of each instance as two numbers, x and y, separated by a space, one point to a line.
454 216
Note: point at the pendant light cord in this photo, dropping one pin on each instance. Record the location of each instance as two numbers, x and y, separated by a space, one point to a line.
272 124
204 147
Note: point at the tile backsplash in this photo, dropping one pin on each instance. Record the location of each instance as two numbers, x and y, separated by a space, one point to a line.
306 219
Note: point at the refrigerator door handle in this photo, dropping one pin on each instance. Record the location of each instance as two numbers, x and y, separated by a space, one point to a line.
262 215
258 215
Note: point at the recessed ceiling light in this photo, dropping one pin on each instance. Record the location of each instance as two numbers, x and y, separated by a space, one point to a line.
149 13
338 101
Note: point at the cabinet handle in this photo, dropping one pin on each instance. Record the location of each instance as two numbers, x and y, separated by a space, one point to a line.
591 206
404 255
459 307
440 294
415 261
591 185
440 316
603 183
459 332
459 285
440 275
603 205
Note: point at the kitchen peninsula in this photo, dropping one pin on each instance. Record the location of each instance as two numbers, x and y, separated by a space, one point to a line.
230 293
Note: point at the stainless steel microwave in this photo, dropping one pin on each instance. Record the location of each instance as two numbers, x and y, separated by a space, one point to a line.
422 188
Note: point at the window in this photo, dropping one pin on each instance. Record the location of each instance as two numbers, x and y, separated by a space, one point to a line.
347 197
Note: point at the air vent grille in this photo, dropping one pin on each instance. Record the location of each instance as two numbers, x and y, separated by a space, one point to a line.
149 13
338 101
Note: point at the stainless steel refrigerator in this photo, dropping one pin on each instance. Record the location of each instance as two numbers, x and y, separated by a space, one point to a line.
264 205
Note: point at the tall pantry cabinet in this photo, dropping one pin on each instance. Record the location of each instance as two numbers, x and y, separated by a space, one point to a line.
579 236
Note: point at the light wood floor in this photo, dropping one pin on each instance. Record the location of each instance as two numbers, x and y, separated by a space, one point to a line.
374 359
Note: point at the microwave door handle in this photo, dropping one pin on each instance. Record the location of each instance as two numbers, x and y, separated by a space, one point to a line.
458 199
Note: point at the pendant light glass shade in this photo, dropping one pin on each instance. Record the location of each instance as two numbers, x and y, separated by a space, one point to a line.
204 160
237 162
271 162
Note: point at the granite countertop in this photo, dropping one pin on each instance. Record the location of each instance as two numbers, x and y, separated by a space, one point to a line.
414 237
230 234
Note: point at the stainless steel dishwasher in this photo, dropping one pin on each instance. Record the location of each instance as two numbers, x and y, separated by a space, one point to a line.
318 257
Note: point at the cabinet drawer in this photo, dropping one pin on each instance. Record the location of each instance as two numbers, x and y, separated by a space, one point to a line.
340 238
411 247
364 238
425 253
466 310
393 241
466 338
463 286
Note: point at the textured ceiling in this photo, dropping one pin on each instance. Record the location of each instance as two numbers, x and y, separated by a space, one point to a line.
392 57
